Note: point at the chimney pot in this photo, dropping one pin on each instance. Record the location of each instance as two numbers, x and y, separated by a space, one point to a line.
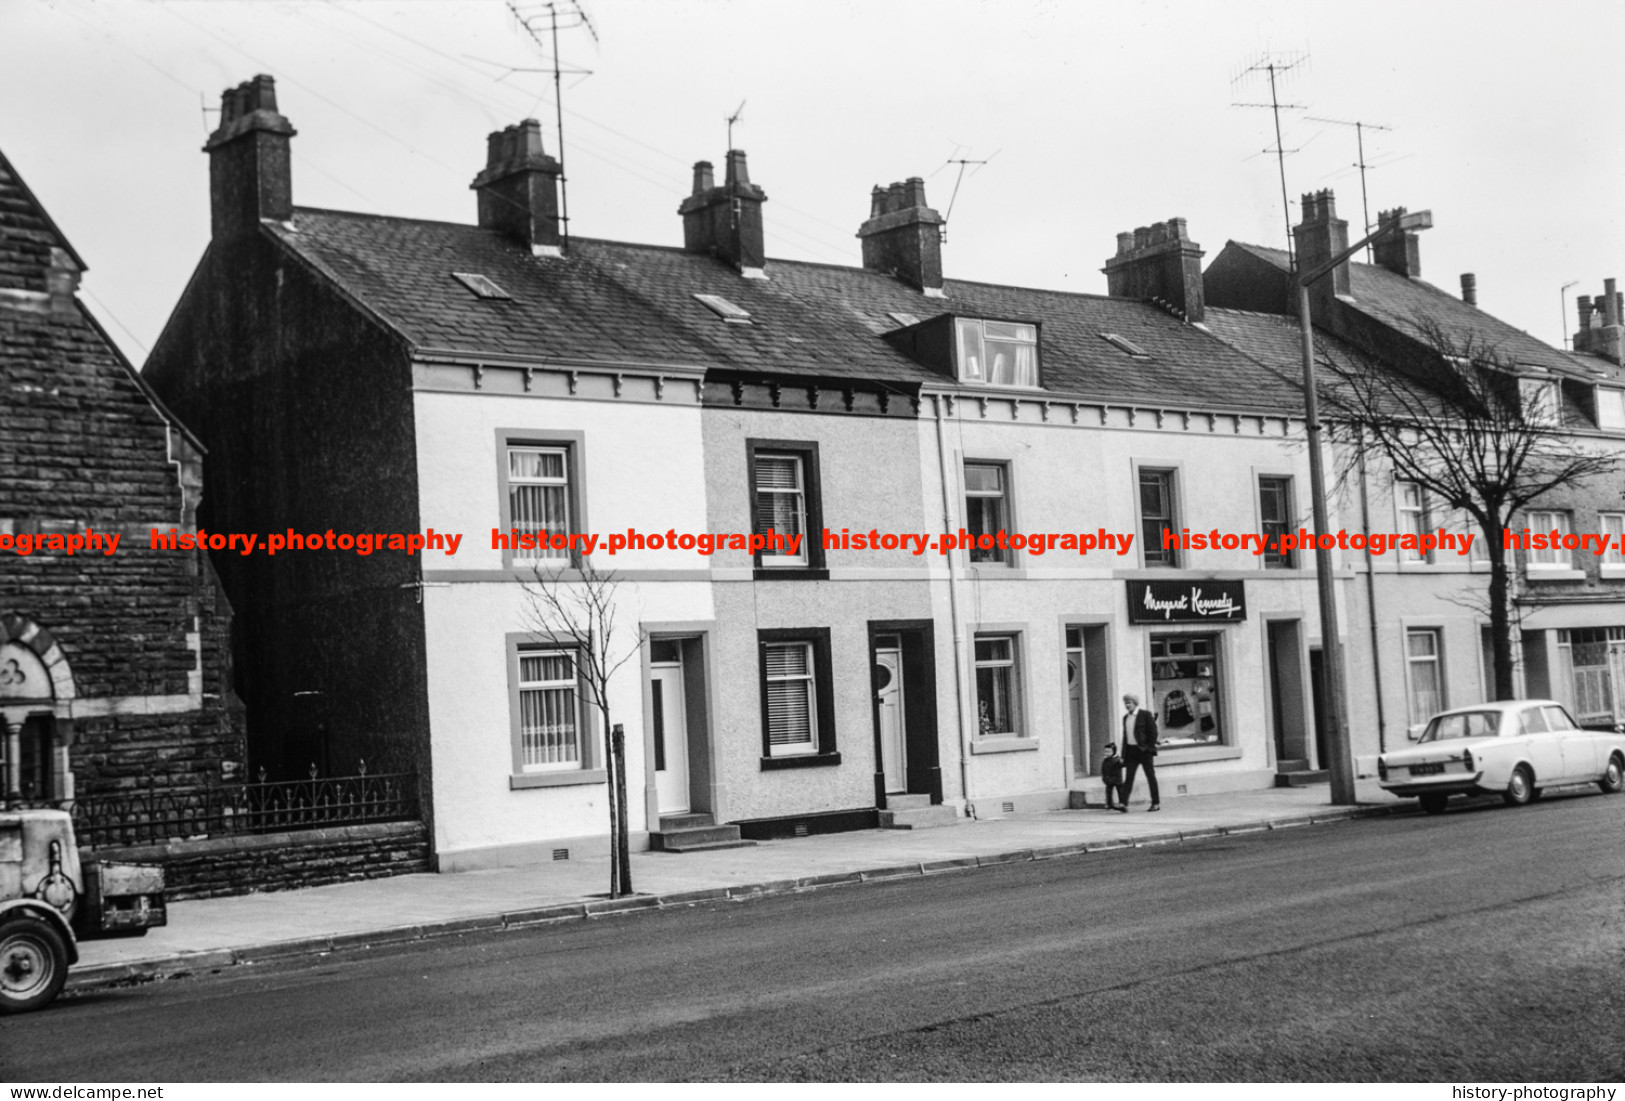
726 221
518 191
1401 252
250 173
1469 288
1320 236
1610 303
903 237
1159 261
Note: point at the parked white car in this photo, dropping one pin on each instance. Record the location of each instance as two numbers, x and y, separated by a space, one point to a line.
1512 748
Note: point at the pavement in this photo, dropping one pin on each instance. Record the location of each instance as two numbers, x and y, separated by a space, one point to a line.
213 934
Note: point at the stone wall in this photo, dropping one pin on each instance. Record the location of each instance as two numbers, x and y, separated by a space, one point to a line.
281 861
137 641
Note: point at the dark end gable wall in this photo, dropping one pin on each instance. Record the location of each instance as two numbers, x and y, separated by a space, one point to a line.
1240 279
305 405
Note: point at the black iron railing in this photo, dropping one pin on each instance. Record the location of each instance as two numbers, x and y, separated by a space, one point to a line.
154 816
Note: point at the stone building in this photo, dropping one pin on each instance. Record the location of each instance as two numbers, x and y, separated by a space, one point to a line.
115 665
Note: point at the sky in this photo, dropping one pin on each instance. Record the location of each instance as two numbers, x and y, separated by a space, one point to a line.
1091 118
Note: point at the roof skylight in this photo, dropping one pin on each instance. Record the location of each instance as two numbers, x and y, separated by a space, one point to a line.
480 285
1124 344
724 309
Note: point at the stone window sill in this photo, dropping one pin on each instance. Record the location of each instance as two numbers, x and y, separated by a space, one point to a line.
564 778
1555 575
1003 745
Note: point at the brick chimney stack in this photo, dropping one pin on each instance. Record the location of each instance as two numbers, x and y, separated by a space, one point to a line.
1400 253
1320 236
249 175
903 236
726 221
519 188
1160 262
1601 332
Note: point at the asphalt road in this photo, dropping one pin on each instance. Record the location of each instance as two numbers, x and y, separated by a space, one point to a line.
1487 944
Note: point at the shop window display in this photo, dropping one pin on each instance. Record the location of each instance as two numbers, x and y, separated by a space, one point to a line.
1185 682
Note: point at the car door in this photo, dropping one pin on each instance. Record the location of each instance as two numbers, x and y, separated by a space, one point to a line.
1579 747
1541 745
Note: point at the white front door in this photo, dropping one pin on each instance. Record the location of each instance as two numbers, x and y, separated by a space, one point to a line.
671 738
889 712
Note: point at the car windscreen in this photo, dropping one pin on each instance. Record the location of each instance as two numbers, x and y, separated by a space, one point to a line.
1463 724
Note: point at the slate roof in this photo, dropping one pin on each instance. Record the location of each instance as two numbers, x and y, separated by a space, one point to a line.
611 302
1398 302
1276 341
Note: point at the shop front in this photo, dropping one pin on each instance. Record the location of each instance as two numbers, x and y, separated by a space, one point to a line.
1189 654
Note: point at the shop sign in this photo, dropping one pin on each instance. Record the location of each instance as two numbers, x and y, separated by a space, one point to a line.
1187 601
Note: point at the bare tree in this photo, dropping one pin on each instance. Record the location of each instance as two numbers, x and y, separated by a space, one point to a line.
1458 424
579 613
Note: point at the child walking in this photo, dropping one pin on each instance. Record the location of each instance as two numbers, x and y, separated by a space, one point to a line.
1111 773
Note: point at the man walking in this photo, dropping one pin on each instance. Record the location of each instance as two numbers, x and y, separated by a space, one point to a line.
1139 747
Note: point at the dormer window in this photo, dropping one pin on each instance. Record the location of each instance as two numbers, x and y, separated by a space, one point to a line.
1610 408
1539 400
997 353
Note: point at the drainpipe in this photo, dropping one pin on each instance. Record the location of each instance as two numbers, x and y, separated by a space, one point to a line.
937 402
1371 600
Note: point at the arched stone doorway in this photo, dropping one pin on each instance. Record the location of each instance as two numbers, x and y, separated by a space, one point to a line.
36 716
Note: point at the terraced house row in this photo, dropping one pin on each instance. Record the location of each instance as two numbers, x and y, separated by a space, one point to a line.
370 373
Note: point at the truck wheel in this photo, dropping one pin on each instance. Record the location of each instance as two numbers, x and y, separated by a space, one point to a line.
33 964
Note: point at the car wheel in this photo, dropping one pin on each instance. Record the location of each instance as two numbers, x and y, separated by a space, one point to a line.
1433 804
1613 777
33 964
1520 789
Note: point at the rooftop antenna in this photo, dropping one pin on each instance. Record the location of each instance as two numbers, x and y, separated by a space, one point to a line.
963 163
1359 137
203 105
1276 66
733 195
574 16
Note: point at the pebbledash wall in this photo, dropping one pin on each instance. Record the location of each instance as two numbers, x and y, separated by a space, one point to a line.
1076 643
114 669
860 470
690 472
